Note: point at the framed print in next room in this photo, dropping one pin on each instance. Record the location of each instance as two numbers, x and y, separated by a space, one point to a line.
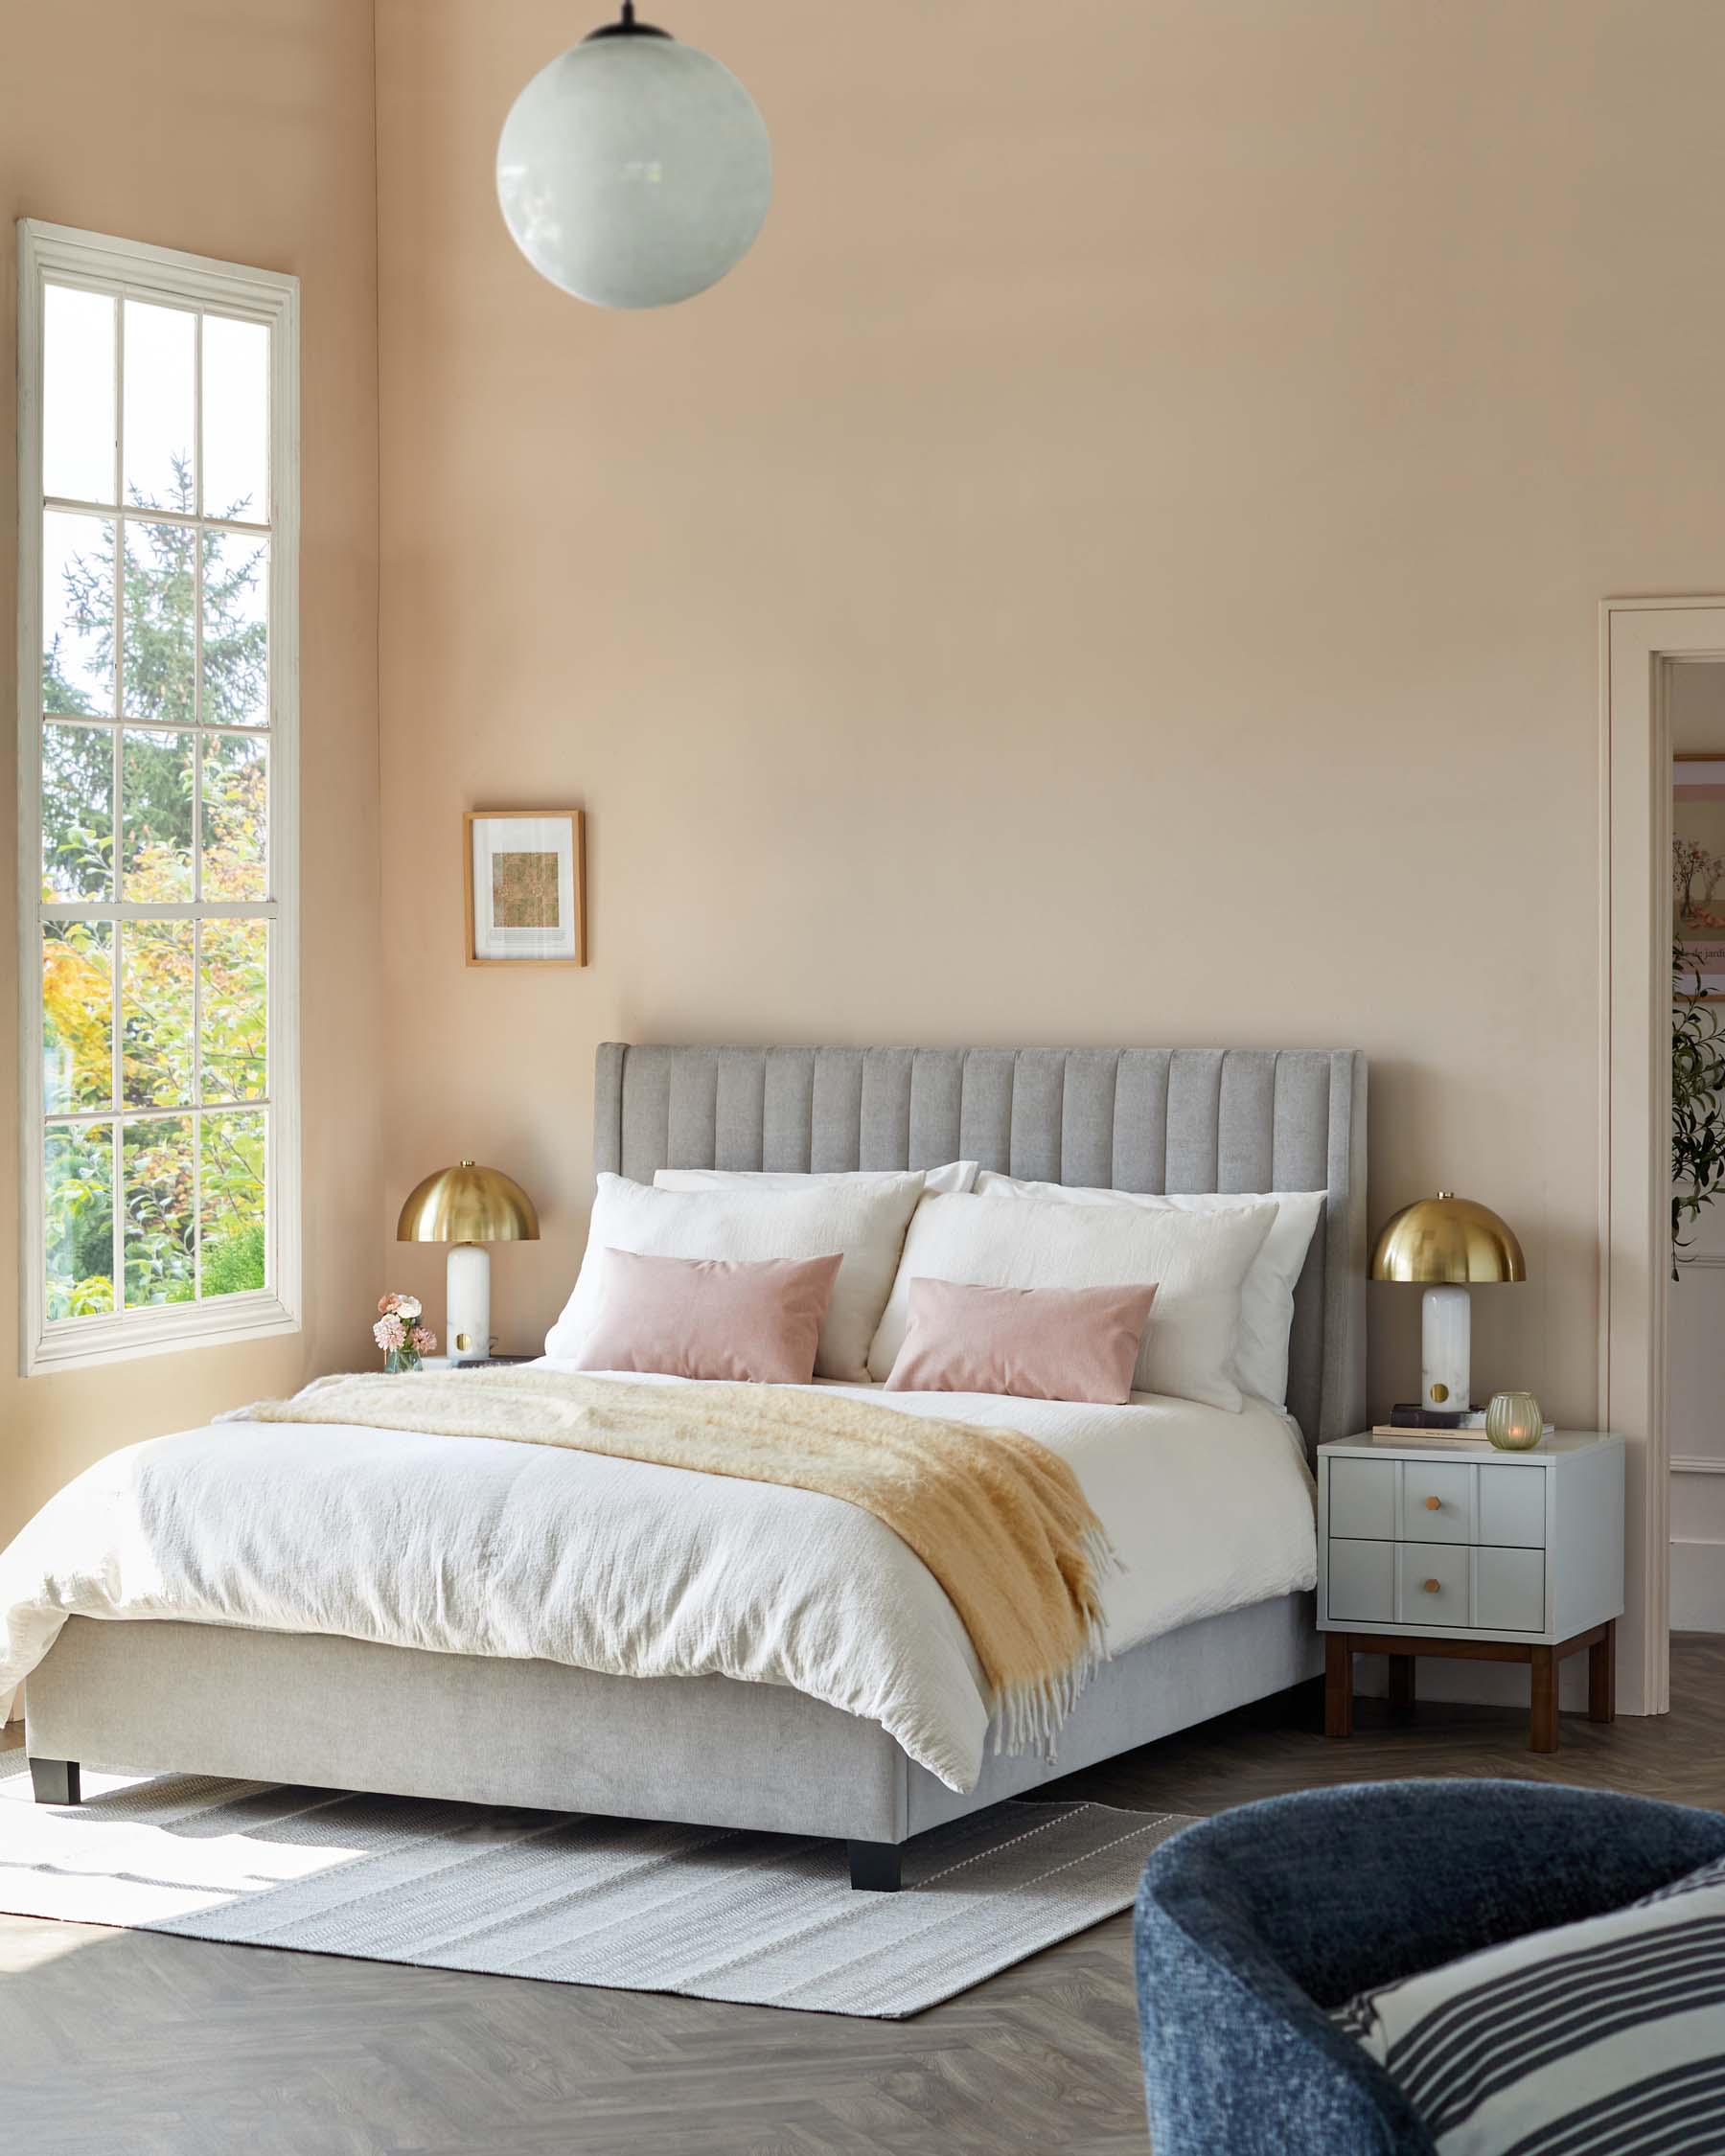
526 887
1698 873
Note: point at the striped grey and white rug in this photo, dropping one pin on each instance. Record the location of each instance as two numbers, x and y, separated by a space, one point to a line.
767 1919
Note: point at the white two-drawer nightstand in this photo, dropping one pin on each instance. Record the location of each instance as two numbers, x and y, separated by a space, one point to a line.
1467 1552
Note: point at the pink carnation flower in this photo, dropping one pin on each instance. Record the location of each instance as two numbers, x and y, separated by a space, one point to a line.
389 1333
424 1338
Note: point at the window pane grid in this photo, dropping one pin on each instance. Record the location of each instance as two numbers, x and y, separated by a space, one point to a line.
117 691
100 512
116 888
101 722
135 1199
198 765
197 1090
71 505
198 409
128 533
116 1019
74 1117
76 961
117 1185
119 479
197 706
128 528
117 1204
226 322
179 1172
104 720
149 909
198 1208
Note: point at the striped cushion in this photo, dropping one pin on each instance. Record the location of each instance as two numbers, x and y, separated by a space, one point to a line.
1605 2035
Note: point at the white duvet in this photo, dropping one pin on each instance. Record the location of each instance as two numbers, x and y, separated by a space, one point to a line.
486 1548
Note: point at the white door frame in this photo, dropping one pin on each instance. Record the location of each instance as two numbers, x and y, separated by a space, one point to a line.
1641 641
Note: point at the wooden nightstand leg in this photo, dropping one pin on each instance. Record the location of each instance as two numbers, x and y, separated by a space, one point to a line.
1338 1685
1602 1676
1401 1684
1545 1699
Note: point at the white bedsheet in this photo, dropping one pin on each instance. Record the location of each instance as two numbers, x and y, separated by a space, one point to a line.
472 1547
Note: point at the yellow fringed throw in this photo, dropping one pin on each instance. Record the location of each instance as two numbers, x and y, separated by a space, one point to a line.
999 1520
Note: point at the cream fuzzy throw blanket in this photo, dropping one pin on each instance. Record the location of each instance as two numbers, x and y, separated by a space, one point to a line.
999 1520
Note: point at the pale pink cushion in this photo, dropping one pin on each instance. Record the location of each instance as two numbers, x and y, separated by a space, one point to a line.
747 1319
1039 1343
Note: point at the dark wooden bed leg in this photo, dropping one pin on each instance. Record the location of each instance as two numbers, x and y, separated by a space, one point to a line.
874 1866
54 1781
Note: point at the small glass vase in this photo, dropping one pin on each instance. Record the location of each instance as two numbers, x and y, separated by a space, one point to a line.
400 1359
1514 1422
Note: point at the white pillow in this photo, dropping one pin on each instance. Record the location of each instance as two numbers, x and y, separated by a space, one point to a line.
1267 1298
955 1175
863 1220
1197 1262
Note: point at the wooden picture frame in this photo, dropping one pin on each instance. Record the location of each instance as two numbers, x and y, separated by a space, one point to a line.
1698 911
525 903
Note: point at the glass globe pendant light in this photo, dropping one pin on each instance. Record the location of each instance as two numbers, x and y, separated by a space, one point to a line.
634 171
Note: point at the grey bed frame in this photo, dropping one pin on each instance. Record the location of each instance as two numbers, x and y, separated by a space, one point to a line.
162 1696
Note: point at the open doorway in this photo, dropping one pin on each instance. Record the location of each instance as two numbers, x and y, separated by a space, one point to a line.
1695 1309
1646 645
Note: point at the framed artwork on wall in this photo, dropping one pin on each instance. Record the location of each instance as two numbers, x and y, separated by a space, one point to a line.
525 877
1698 871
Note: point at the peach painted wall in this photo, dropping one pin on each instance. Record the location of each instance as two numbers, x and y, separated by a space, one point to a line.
244 133
1119 563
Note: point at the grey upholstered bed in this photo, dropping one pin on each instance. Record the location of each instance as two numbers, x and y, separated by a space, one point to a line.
345 1713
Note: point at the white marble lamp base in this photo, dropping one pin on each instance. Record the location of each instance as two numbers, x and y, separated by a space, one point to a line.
1445 1348
467 1303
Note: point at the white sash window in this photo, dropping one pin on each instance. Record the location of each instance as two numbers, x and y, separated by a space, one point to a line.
157 670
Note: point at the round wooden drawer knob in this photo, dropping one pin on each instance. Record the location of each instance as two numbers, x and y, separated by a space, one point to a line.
1434 1586
1433 1504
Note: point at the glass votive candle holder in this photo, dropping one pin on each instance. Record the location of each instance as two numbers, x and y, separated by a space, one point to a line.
1514 1422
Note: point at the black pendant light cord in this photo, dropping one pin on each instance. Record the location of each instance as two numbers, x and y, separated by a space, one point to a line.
628 27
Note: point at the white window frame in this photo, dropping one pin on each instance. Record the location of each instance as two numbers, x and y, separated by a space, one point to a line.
127 268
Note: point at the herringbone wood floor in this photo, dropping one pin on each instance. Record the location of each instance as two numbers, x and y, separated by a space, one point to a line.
120 2044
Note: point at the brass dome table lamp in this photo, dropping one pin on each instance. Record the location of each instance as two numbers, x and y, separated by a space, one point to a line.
1448 1244
468 1207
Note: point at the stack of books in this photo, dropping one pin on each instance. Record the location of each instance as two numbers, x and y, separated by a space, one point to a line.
1411 1421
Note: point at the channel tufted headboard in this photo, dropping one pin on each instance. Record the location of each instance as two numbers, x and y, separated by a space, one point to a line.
1157 1119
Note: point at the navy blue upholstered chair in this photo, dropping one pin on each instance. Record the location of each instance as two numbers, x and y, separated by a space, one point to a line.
1251 1925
